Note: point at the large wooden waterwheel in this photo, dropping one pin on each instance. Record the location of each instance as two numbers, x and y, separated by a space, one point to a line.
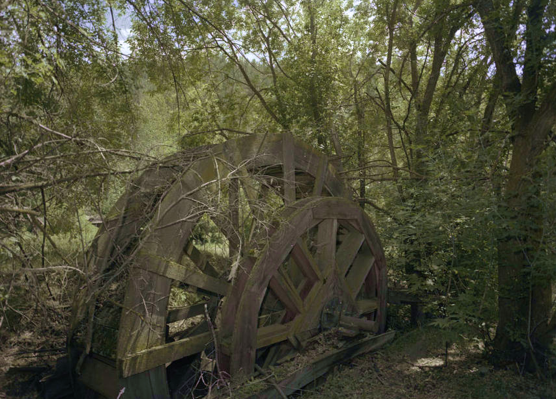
223 258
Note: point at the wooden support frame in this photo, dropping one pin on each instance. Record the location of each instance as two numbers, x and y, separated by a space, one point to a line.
159 250
322 365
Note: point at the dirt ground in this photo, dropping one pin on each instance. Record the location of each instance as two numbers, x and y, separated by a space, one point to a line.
413 366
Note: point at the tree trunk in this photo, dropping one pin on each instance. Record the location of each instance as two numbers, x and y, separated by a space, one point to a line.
524 331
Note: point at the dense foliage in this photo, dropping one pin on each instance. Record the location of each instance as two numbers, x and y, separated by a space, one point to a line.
438 113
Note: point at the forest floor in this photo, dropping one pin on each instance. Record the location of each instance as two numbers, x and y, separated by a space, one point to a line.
413 366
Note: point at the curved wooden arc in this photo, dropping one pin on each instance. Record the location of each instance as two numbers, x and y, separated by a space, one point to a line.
366 271
146 234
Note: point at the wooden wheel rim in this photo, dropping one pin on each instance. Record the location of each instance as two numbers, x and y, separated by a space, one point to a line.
247 294
142 321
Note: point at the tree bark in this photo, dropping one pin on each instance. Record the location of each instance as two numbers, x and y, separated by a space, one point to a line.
525 329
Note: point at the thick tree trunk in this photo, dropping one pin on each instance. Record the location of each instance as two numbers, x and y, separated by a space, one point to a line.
524 330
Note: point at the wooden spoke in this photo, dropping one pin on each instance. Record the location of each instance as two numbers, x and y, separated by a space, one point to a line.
359 270
272 334
200 260
159 355
348 251
189 274
326 246
289 168
321 176
286 292
305 261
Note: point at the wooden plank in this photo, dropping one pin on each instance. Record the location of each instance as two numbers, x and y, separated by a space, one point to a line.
200 260
286 292
321 176
266 336
339 208
185 312
326 246
359 270
348 251
162 354
288 167
322 364
100 377
187 273
305 261
366 306
272 334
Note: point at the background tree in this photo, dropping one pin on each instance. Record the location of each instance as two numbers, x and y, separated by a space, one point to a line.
521 39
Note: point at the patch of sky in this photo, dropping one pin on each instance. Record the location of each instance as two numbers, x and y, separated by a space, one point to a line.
122 21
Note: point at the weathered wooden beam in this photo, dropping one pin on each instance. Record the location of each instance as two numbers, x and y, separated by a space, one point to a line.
186 273
326 246
200 260
348 250
305 261
344 213
272 334
100 377
286 292
266 336
366 306
322 364
359 270
159 355
321 176
185 312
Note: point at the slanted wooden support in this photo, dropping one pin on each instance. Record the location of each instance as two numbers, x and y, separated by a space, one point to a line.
321 176
100 376
305 261
348 250
286 292
326 246
159 355
272 334
266 336
189 274
186 312
323 364
366 306
200 260
360 268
